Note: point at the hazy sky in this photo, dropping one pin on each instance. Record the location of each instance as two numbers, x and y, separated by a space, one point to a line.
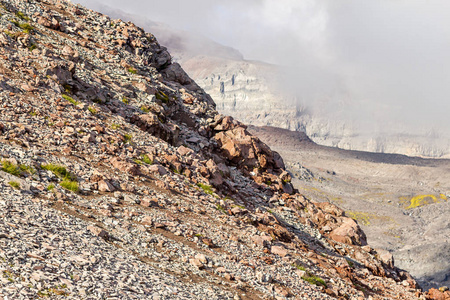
385 61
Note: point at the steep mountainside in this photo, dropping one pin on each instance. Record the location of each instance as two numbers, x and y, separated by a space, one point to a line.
120 180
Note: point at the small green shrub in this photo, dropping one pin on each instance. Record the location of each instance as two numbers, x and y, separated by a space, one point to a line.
70 99
59 171
315 280
350 262
132 70
220 208
26 28
68 89
240 206
50 187
92 110
162 96
125 100
69 185
128 138
115 126
14 184
27 169
32 47
206 188
299 267
22 16
10 168
145 109
11 34
146 159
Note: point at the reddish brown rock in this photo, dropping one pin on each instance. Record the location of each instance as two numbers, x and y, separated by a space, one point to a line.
241 148
330 208
349 232
157 169
150 123
262 241
196 263
97 231
125 166
44 21
435 294
147 220
105 186
386 257
184 151
279 250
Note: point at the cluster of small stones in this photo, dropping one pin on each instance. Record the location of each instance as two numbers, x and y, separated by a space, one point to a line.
173 200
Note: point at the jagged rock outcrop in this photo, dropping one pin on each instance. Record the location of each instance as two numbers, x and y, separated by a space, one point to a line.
124 181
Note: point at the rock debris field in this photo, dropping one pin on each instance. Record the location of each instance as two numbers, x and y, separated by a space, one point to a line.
120 180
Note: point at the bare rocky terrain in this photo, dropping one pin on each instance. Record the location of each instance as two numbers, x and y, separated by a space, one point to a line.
401 202
120 180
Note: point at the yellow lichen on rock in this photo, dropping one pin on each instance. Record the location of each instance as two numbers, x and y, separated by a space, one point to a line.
365 218
422 200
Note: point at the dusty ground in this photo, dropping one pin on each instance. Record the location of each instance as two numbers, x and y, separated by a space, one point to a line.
401 202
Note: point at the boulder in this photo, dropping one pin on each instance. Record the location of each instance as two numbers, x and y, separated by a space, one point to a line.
386 258
330 208
435 294
279 250
125 166
150 123
241 148
349 232
61 73
105 186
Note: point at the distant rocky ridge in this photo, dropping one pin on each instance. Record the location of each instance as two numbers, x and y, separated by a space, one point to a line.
119 179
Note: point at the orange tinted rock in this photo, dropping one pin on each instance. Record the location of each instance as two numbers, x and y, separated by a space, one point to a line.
239 147
349 232
331 209
125 166
435 294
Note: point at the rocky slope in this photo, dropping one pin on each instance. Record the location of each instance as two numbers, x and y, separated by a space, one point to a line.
120 180
402 203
